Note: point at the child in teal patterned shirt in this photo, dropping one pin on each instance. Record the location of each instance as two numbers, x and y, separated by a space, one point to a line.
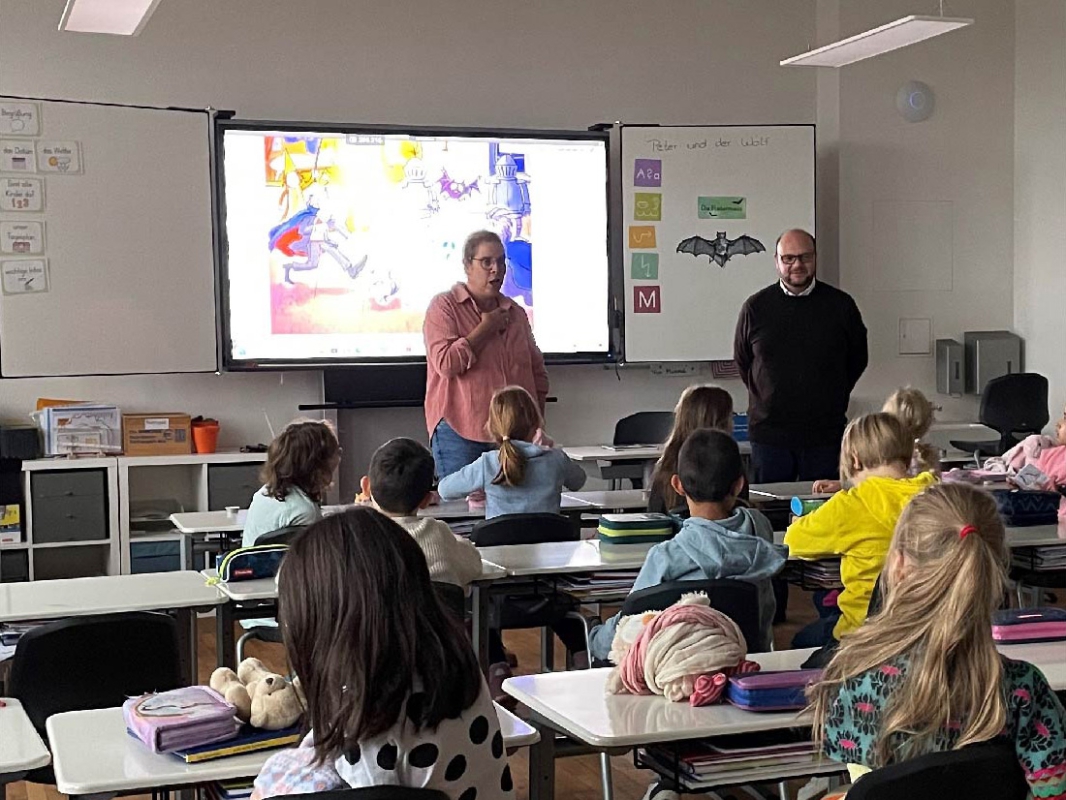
924 675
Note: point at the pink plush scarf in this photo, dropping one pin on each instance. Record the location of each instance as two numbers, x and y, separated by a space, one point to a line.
685 651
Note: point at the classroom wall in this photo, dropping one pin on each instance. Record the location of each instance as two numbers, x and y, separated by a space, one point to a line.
1040 190
467 62
948 179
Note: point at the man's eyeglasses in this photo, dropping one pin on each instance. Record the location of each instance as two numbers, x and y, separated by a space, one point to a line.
488 263
789 259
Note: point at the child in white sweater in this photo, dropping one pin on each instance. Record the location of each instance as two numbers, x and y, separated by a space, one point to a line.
400 483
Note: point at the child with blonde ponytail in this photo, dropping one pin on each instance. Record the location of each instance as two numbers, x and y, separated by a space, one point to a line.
520 477
923 675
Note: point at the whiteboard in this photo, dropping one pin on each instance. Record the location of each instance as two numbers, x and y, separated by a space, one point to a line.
718 184
128 241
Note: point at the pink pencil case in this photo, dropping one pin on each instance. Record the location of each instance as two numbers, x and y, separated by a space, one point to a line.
1022 625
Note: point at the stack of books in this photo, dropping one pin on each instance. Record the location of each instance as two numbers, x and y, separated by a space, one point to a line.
821 574
239 789
597 585
704 763
1040 558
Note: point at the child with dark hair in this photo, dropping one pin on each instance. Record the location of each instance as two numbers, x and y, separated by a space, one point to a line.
718 540
298 470
400 484
393 691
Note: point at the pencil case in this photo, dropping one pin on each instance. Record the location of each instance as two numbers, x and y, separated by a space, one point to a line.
640 528
249 563
1022 625
771 691
1022 508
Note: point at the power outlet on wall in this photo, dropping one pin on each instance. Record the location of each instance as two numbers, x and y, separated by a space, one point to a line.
676 369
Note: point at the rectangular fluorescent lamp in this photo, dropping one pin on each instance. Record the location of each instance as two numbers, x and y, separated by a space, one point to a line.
122 17
874 42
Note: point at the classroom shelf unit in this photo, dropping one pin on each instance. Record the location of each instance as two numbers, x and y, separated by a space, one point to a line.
104 516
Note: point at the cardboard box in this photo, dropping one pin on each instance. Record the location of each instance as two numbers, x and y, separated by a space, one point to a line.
160 434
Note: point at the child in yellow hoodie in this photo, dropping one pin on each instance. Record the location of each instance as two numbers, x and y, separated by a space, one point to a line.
857 524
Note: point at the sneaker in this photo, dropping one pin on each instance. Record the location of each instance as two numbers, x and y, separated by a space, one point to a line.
498 673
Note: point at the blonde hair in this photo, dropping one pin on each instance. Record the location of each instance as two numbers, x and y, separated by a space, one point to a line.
513 414
873 441
700 406
914 410
947 576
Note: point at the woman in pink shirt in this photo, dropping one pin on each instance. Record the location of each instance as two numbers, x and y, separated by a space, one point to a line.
478 340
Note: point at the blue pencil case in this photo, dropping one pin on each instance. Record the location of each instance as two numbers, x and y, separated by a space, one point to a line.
1021 508
249 563
771 691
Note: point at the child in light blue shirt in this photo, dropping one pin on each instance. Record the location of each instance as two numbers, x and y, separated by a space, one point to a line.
718 540
299 468
519 477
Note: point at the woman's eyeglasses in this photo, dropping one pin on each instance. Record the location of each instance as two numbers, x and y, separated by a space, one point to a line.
488 263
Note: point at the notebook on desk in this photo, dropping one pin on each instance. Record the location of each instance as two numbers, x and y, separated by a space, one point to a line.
247 740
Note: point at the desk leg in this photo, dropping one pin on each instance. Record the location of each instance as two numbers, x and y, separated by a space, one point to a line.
542 762
225 645
186 551
186 618
479 628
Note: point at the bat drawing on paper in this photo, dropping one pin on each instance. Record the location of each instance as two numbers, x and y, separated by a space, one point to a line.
720 249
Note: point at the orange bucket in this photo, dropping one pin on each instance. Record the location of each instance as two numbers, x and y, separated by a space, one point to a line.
205 436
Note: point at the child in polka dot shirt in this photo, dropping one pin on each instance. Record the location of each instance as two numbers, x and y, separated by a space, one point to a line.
394 693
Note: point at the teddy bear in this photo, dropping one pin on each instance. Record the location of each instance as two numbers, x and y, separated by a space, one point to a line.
261 697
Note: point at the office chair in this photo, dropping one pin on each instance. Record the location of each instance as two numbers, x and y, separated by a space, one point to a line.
644 427
529 610
1014 406
737 599
90 662
372 793
268 633
986 771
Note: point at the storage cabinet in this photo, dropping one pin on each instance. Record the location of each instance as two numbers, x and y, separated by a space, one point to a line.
70 506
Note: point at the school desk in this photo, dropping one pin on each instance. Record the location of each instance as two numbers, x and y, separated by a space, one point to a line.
577 705
256 599
94 755
21 748
180 592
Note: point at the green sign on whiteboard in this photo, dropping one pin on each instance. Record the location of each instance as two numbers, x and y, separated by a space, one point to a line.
723 208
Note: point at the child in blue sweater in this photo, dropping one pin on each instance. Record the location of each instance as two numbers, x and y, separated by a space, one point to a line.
520 477
718 540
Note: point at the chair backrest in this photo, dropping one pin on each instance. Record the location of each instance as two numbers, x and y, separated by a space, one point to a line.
737 599
452 597
1016 403
644 427
94 662
372 793
524 529
281 535
987 771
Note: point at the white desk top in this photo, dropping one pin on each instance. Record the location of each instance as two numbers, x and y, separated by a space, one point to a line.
576 702
76 597
610 499
782 491
21 748
561 557
94 753
209 521
1036 535
647 452
460 509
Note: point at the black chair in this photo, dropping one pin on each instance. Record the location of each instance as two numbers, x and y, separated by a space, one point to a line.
644 427
737 599
987 771
1014 406
453 598
268 633
91 662
524 529
372 793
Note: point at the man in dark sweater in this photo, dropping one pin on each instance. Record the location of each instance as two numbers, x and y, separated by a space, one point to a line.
801 347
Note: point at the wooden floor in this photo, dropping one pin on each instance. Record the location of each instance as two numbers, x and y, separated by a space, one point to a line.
577 778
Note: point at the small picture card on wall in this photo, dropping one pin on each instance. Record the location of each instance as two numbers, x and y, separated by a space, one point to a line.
18 155
21 194
19 119
19 238
24 275
62 157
